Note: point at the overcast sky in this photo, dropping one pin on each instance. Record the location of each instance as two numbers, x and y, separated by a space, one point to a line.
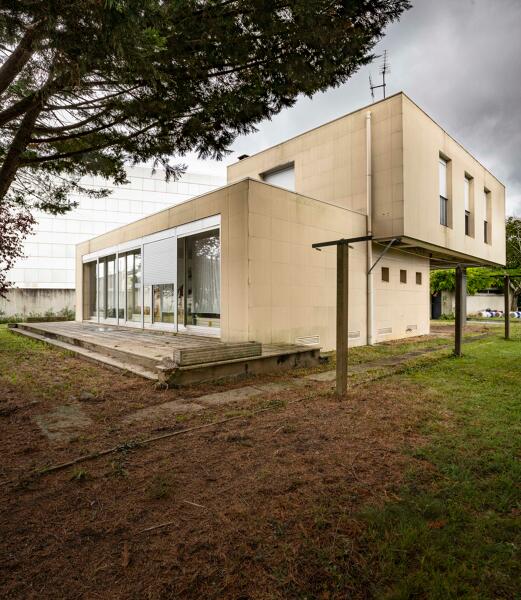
460 60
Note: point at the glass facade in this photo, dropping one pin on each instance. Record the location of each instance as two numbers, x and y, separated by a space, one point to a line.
116 288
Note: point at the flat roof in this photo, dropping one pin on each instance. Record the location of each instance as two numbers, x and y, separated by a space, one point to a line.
364 108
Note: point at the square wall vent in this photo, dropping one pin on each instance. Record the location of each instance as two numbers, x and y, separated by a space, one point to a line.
411 328
384 331
309 340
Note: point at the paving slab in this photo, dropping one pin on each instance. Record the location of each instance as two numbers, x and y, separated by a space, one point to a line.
273 387
324 376
236 395
64 422
160 411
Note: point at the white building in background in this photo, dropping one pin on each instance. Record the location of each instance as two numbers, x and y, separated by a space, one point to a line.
45 279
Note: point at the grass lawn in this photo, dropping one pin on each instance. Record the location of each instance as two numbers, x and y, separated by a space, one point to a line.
411 488
456 530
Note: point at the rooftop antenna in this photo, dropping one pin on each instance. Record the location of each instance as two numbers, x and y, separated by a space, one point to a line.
384 70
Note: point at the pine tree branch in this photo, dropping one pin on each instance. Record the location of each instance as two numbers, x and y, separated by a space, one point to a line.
86 150
79 134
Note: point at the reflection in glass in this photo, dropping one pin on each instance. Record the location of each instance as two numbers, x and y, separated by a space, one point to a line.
202 277
101 289
164 303
147 309
110 312
134 286
121 286
181 281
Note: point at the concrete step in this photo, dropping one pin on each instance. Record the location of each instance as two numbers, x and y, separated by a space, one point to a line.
123 356
297 357
88 354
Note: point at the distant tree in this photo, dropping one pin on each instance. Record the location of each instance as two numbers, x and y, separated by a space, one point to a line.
513 233
89 85
477 279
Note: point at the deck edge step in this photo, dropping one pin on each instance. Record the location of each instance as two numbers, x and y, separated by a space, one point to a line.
88 354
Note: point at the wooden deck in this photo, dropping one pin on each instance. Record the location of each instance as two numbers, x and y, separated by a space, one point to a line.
171 358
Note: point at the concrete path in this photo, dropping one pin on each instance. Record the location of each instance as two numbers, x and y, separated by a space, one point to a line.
65 421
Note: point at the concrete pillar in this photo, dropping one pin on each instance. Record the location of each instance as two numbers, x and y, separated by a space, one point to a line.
507 306
461 303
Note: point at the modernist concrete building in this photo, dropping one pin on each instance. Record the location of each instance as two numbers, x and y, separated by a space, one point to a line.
237 262
44 279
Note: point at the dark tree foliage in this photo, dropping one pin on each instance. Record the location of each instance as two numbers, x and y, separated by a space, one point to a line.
89 85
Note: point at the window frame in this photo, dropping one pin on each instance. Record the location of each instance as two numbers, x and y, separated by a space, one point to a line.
403 275
443 185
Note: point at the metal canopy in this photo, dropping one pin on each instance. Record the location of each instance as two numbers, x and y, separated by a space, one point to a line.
438 257
342 242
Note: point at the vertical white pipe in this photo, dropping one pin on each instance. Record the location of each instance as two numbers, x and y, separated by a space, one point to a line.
369 191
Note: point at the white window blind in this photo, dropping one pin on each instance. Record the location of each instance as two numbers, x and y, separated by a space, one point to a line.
443 178
160 262
284 178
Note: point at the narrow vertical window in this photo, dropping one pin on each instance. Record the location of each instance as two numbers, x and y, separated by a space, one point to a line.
467 204
418 278
403 276
444 201
488 216
385 273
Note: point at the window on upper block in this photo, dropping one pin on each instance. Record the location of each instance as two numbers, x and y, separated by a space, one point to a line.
403 276
468 204
488 216
418 278
283 176
385 273
444 193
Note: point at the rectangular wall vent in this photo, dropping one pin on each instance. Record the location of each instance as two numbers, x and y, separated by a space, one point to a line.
309 340
411 328
353 335
384 331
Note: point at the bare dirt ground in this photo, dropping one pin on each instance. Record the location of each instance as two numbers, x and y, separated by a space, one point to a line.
263 506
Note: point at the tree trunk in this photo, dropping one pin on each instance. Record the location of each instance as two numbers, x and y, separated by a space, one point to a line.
18 147
19 57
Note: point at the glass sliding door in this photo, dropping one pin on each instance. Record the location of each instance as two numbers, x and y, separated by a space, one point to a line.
181 285
202 279
90 296
134 286
122 286
111 287
102 295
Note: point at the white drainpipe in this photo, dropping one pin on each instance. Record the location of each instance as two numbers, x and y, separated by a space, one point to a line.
369 190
